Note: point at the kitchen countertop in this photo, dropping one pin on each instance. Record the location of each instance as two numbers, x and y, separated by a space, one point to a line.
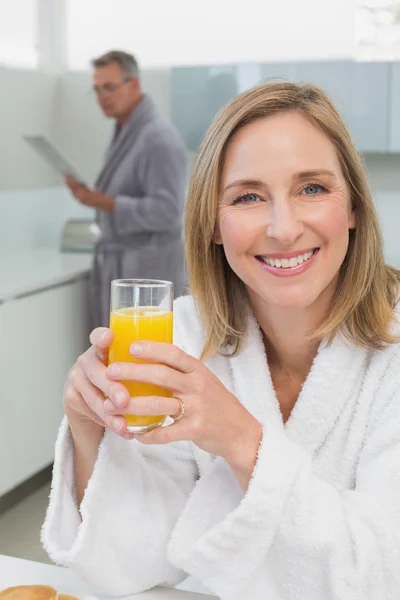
15 571
22 273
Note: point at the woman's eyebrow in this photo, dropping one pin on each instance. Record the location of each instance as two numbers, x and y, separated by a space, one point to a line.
244 182
313 173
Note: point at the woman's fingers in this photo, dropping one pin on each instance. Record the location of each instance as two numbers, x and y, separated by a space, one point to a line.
165 435
74 401
147 405
94 402
96 373
93 406
101 338
88 386
155 374
166 354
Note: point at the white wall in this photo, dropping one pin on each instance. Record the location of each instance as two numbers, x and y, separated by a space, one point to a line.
26 106
78 127
181 32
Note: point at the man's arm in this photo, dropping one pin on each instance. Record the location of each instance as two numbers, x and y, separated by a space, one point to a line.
93 198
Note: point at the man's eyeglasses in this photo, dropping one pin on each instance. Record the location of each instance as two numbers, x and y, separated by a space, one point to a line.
109 88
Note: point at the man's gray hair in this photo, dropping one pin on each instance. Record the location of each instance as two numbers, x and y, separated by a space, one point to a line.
126 61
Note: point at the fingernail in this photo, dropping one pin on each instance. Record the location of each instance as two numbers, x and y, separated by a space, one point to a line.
103 337
109 406
114 370
120 398
117 424
136 349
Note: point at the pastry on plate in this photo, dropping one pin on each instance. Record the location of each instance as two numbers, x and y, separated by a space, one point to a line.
33 592
29 592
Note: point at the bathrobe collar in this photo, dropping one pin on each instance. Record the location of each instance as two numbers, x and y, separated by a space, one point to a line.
330 383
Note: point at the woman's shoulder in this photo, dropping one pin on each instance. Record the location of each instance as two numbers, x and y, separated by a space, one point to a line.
381 383
382 376
185 308
188 329
388 356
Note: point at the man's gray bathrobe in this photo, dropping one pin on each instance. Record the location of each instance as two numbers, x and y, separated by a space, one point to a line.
145 170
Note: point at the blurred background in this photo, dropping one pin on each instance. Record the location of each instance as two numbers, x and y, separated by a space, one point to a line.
194 57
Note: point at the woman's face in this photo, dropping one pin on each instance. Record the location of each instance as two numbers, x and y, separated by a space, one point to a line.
284 211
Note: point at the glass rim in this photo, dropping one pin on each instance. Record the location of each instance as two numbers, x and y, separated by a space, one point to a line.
143 283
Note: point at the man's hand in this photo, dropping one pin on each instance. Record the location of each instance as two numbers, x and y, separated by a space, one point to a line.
93 198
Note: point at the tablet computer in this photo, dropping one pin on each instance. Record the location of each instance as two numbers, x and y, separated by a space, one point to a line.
52 155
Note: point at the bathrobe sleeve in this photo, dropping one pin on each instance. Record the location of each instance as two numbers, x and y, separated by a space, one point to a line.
162 174
117 539
293 535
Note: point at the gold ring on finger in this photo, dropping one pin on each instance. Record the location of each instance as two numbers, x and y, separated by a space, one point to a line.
181 412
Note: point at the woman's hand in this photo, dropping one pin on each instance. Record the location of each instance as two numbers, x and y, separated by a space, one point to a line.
213 419
88 386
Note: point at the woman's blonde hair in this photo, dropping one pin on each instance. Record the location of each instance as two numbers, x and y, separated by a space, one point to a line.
363 304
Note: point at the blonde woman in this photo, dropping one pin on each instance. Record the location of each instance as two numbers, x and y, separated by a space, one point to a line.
280 477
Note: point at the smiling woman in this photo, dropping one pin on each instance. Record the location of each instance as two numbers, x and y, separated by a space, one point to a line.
278 476
306 187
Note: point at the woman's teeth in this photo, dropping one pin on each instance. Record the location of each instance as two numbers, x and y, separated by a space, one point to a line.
286 263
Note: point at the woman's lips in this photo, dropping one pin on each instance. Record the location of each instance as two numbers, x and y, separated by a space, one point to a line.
289 271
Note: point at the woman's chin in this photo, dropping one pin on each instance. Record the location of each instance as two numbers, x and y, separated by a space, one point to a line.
291 300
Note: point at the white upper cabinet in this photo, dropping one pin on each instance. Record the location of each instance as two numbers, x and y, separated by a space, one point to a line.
360 90
361 93
394 113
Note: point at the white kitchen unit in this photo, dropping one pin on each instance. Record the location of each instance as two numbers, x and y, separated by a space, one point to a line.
43 330
279 71
360 92
394 129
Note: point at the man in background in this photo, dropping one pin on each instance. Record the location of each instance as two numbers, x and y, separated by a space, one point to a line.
139 195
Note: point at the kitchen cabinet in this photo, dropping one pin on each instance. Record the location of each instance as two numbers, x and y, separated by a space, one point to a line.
278 72
198 94
42 334
394 112
360 91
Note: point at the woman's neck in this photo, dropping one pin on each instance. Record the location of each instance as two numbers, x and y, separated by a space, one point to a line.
286 334
288 350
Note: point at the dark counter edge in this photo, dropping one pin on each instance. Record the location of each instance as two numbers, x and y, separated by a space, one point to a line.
25 489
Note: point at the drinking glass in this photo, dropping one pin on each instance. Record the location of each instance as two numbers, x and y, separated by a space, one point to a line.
141 309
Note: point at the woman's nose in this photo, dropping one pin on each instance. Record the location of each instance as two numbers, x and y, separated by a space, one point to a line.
284 223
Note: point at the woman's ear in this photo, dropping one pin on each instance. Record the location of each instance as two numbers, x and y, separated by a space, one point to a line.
353 219
217 236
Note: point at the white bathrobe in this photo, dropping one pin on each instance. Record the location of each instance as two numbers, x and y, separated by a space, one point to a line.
320 519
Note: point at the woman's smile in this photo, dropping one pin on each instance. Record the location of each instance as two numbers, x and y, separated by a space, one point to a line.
288 264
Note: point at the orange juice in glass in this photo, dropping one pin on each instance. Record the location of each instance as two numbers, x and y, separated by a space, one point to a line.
141 309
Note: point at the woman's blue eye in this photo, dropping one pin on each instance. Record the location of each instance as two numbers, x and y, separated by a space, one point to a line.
313 188
247 198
